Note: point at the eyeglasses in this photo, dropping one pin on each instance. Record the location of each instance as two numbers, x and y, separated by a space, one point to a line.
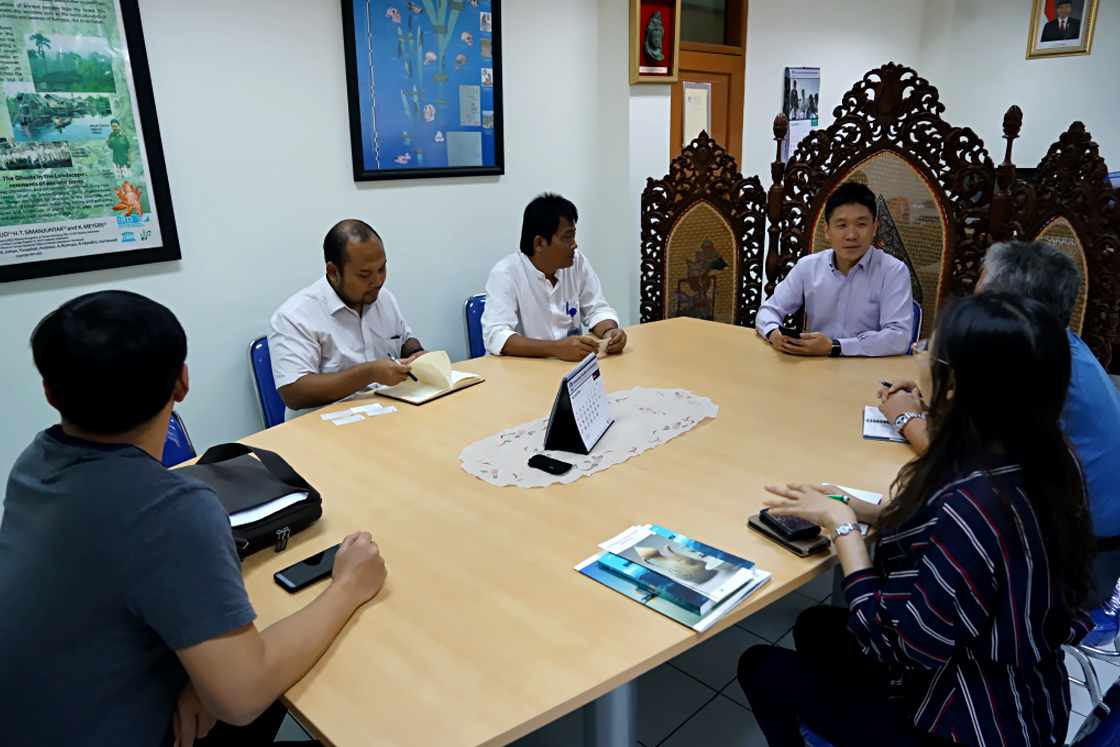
922 346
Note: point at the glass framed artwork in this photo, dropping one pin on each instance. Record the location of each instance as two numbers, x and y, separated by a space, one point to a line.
83 184
655 41
1061 27
424 83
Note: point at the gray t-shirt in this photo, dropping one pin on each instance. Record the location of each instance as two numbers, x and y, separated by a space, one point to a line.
109 563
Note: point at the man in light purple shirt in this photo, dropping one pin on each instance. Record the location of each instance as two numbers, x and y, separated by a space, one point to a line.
856 296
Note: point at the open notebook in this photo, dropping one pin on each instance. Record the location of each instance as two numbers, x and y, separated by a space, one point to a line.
434 379
876 427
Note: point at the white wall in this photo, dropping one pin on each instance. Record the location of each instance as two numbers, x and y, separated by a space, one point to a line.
845 38
252 107
974 51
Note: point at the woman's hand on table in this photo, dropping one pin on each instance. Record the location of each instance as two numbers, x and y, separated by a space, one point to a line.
811 502
866 513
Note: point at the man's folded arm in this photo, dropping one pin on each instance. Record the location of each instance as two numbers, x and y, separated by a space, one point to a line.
499 317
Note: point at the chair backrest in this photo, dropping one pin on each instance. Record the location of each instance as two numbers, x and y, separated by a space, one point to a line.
916 328
932 183
260 365
703 234
1069 203
473 309
177 447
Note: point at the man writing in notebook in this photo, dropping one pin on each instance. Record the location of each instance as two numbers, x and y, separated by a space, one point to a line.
125 618
344 332
539 299
857 297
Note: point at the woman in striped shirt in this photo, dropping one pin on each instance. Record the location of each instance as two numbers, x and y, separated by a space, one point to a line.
954 634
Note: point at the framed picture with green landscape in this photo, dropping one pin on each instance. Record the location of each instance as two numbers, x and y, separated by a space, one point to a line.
83 184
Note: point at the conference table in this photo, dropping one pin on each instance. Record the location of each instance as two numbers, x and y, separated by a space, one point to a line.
483 631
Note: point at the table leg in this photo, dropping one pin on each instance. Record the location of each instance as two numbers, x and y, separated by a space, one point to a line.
611 721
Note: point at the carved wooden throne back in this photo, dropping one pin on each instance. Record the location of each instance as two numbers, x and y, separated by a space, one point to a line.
1069 203
703 235
933 183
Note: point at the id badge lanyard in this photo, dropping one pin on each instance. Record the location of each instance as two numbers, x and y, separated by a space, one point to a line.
573 323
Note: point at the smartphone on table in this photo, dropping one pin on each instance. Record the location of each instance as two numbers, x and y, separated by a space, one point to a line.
307 571
790 527
548 464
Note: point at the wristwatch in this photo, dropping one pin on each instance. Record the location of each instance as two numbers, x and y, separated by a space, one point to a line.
835 352
901 421
845 529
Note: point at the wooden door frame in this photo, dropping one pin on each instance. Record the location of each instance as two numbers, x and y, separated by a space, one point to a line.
732 61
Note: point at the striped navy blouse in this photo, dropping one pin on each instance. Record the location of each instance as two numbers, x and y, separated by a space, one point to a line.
962 609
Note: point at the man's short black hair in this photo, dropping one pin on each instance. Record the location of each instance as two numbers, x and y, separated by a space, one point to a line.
542 218
849 193
110 359
341 235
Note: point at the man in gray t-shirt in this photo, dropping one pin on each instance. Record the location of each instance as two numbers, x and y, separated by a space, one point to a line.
125 620
109 563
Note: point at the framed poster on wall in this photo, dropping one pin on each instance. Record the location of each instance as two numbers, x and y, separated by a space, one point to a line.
83 185
801 105
655 40
1061 27
424 82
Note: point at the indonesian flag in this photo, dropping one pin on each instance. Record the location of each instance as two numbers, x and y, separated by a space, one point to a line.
1050 10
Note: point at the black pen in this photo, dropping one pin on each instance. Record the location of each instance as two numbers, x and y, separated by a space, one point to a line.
394 360
888 385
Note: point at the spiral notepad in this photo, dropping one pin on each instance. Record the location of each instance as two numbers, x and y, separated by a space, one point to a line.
876 427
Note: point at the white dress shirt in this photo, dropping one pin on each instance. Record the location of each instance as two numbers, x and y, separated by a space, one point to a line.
315 332
869 310
521 300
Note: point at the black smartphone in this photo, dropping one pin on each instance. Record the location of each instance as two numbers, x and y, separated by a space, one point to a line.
790 331
548 464
307 571
790 527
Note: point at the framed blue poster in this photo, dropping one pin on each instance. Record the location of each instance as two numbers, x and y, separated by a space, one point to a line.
425 88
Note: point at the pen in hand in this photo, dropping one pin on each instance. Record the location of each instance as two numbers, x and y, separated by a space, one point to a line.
394 360
888 385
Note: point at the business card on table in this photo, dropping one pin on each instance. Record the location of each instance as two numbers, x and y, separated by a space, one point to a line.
351 419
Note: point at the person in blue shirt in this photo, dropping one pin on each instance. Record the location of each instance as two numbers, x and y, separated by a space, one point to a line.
1091 417
953 635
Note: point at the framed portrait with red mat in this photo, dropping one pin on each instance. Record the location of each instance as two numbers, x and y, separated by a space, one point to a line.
655 40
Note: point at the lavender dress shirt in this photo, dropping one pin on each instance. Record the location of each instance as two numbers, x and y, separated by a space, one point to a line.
869 310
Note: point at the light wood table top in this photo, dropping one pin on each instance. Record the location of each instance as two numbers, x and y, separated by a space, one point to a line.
483 632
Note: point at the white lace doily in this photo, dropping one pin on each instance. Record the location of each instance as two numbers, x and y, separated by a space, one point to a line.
643 418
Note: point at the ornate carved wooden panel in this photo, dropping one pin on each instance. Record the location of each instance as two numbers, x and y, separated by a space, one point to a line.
1069 189
892 109
703 185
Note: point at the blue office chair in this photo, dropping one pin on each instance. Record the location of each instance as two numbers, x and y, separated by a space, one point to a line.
475 305
260 365
1101 643
917 329
177 447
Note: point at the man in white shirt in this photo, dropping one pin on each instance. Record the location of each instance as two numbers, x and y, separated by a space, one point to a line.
539 299
345 332
857 297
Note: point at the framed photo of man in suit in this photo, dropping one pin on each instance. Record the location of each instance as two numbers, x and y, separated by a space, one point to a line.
1061 27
